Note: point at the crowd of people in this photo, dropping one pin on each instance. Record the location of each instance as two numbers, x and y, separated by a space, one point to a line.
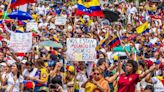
139 69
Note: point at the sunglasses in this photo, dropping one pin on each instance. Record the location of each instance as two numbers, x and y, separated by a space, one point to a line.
96 73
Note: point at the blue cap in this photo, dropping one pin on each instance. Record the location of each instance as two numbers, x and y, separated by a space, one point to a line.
154 49
158 43
157 62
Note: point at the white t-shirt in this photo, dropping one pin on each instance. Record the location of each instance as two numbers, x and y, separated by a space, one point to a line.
158 86
41 10
30 74
42 25
10 82
142 84
110 55
153 30
154 40
133 10
81 79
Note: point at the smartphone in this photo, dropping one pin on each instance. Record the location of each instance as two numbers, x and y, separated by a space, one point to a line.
123 57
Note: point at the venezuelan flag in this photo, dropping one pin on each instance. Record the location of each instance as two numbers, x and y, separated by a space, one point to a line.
20 30
114 42
91 8
15 3
146 31
161 79
56 38
142 28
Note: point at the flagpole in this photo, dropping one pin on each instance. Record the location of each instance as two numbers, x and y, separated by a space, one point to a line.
74 24
119 37
7 9
121 45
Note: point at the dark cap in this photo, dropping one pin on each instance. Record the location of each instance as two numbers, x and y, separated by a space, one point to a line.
29 63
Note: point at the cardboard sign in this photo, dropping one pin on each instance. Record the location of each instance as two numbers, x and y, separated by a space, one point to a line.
60 20
21 42
81 49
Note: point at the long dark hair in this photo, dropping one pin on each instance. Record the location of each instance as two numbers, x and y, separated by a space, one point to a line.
40 63
134 64
19 69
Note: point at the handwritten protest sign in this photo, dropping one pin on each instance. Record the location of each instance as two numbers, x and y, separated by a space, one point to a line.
32 26
60 20
21 42
81 49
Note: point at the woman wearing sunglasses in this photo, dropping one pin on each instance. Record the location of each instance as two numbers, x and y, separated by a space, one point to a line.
96 81
100 81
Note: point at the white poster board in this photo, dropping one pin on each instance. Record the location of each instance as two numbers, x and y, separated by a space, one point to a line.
21 42
32 26
81 49
60 20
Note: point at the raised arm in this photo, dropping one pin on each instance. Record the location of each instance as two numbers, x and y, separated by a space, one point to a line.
53 73
148 78
143 75
113 78
8 52
6 28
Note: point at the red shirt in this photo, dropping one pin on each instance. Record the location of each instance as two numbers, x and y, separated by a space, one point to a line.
162 81
127 83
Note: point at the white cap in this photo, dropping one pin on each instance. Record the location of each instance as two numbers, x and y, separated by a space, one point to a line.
103 50
3 64
7 41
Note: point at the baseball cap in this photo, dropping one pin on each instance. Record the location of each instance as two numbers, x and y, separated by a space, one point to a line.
157 62
3 64
101 61
44 89
4 40
70 68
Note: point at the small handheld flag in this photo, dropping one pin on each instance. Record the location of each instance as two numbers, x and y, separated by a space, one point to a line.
114 42
142 28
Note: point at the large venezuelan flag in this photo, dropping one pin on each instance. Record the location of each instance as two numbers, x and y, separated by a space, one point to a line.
91 8
114 42
15 3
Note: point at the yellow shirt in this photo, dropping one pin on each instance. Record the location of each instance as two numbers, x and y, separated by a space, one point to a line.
44 75
89 21
89 87
34 16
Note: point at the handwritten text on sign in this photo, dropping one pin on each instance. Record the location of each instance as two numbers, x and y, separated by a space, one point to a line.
32 26
81 49
21 42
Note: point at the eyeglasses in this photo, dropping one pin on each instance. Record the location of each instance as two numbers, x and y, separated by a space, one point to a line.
96 73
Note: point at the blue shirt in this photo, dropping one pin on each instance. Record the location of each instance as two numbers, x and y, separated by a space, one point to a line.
58 10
